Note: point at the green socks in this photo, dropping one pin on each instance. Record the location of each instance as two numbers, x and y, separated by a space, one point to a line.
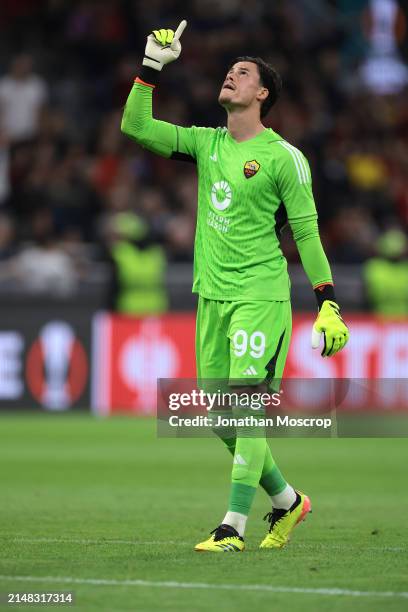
241 498
253 465
271 478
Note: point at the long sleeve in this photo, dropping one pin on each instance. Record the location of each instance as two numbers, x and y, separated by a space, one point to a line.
160 137
294 182
314 260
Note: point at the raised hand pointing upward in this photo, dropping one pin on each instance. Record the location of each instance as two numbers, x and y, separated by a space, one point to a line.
163 46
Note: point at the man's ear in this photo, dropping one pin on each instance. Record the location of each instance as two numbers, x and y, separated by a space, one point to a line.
262 94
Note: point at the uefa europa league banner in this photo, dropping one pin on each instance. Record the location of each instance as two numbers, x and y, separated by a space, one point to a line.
45 357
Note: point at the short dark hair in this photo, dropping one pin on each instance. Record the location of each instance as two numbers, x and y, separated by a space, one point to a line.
269 78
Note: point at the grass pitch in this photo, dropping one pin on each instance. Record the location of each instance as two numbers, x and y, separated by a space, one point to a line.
104 508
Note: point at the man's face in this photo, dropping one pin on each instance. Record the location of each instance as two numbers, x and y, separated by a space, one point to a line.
242 86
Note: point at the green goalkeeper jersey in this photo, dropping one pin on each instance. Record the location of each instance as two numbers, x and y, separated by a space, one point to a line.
246 192
240 190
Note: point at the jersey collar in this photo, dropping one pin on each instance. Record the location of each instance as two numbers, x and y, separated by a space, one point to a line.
267 132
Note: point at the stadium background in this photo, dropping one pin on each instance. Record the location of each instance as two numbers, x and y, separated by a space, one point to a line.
74 190
75 195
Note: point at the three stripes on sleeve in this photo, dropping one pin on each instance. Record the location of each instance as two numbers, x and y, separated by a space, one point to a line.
300 162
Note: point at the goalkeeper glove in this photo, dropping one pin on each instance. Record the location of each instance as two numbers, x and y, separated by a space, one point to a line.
163 47
331 325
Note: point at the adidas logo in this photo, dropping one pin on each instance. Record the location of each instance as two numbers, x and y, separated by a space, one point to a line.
229 547
238 460
213 157
251 371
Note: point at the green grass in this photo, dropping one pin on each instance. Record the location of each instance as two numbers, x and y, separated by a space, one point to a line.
90 499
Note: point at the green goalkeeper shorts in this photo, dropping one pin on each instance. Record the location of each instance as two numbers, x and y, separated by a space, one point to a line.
243 343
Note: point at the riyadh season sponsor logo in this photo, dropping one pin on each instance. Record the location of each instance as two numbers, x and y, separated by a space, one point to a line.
221 195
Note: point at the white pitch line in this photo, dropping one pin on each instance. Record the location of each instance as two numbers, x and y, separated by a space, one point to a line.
181 543
204 585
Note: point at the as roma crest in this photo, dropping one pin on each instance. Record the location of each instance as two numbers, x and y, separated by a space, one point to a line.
251 168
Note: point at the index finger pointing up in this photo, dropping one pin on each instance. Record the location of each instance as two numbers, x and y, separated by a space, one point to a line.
180 29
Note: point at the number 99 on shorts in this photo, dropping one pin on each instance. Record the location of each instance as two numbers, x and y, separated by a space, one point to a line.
253 344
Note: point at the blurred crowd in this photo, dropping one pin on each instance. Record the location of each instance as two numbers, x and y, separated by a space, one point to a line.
66 171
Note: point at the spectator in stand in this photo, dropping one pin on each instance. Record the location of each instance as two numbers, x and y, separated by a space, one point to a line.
23 95
44 266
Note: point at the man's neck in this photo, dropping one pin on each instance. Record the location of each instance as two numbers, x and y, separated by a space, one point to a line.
243 125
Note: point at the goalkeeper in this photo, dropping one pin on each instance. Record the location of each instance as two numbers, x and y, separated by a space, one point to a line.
251 182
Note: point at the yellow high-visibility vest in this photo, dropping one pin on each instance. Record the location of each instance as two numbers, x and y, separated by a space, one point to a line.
141 278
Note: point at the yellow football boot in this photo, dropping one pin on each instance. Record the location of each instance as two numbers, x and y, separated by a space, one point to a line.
223 539
282 522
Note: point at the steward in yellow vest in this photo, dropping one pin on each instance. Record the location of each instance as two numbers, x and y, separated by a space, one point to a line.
386 276
138 283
